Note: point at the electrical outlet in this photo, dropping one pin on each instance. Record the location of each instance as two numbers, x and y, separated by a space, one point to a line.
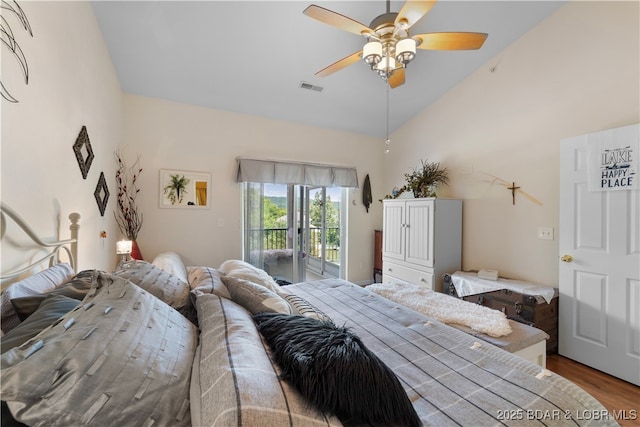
545 233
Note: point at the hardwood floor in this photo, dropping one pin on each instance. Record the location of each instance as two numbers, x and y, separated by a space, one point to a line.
618 396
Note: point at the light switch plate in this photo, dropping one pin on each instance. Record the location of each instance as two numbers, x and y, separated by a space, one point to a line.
545 233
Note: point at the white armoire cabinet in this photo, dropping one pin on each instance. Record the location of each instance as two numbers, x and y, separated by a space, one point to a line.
422 240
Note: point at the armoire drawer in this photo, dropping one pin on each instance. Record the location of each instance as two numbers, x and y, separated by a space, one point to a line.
391 271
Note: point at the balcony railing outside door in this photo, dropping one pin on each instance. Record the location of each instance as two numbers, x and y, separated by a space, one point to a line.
276 238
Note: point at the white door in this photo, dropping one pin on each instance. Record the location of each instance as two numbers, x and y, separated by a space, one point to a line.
599 272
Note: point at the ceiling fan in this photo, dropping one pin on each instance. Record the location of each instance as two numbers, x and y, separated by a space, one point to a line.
390 47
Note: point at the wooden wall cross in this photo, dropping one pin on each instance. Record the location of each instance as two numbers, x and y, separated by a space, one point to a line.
513 189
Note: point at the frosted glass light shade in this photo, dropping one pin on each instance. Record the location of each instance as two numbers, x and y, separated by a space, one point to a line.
405 50
387 64
372 52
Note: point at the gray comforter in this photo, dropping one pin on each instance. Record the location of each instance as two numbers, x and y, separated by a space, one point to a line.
451 379
124 357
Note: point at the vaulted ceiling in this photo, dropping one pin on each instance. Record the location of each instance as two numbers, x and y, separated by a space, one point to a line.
253 56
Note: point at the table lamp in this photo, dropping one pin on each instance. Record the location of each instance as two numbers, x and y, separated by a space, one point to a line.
123 248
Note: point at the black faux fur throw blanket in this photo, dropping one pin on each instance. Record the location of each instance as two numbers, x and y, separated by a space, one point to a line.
335 371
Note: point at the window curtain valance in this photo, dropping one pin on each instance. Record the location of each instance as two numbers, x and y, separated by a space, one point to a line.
277 172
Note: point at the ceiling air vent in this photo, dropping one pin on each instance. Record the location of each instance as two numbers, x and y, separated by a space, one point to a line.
309 86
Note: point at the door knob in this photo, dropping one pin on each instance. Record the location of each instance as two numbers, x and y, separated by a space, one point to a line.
566 258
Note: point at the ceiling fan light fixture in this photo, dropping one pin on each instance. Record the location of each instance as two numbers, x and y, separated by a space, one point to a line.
389 47
386 66
372 53
405 50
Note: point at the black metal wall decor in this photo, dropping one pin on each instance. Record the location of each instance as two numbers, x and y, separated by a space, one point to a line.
102 194
9 40
83 144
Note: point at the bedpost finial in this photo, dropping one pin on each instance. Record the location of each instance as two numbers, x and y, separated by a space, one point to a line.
74 217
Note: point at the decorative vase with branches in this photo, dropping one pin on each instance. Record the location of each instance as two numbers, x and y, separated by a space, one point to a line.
128 215
176 188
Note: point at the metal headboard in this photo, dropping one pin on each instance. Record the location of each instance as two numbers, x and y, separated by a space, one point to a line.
70 246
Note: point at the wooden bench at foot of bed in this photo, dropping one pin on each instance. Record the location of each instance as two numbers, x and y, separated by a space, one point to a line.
525 341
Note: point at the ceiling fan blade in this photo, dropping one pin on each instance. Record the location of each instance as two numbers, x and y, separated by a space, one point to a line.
412 11
450 41
397 78
337 20
339 65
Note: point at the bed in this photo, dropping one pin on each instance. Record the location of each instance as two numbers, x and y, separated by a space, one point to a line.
163 344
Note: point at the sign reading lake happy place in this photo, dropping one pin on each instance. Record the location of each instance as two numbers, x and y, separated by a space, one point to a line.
613 159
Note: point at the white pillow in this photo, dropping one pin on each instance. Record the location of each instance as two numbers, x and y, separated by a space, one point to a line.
207 280
255 298
41 282
231 264
172 264
243 270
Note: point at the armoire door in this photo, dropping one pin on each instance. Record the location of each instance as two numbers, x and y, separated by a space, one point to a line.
419 230
394 230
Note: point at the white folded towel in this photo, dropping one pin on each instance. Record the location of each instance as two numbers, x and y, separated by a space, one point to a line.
488 274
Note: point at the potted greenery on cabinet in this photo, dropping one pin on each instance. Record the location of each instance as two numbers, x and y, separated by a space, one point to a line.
423 181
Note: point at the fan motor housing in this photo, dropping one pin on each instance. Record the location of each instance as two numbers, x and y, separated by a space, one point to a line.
382 21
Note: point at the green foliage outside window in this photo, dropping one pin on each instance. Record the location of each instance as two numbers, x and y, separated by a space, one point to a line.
275 222
274 216
332 220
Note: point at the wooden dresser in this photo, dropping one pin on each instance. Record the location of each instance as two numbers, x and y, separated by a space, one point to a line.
377 257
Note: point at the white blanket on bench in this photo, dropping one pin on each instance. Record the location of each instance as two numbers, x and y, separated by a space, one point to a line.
445 308
470 284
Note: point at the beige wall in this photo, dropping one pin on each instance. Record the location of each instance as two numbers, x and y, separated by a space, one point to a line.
576 72
176 136
72 83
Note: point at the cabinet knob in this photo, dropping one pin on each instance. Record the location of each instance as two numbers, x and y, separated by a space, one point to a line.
422 279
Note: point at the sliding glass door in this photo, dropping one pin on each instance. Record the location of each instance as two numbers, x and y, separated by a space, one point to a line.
322 231
270 232
292 230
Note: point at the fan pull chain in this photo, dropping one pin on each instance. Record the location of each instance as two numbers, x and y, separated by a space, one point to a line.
388 140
